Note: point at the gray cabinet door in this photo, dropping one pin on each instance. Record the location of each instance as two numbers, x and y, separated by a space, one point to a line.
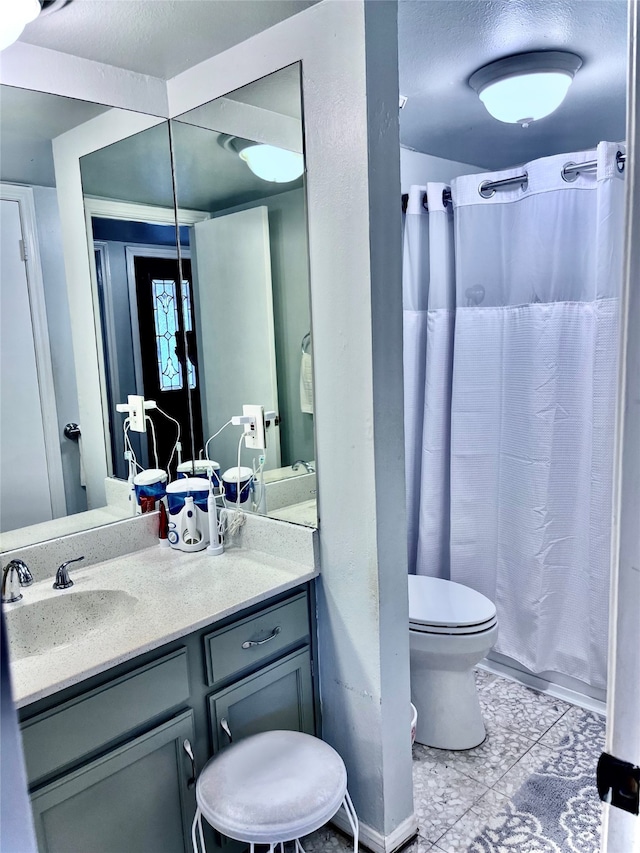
279 696
134 799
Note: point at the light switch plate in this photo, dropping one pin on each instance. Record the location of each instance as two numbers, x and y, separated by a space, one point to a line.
136 413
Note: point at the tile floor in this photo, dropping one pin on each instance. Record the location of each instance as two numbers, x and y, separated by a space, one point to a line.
458 795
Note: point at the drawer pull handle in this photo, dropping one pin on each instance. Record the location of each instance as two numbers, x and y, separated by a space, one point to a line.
250 643
224 725
186 745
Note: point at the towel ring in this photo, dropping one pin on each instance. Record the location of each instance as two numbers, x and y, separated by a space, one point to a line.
306 341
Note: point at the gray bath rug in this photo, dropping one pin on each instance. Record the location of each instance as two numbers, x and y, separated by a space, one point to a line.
556 810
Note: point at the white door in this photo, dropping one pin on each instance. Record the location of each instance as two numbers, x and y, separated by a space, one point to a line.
25 489
621 831
231 261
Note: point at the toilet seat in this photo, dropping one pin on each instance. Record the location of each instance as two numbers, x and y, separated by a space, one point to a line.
438 606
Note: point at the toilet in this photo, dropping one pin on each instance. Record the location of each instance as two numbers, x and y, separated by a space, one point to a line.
451 628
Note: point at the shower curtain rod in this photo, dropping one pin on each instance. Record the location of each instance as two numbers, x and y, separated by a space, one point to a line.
487 189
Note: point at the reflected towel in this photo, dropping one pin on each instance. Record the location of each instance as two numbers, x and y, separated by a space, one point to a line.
306 384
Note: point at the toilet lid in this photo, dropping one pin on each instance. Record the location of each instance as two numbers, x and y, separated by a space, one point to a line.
441 603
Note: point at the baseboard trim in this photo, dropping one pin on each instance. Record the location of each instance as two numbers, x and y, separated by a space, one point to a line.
374 840
511 669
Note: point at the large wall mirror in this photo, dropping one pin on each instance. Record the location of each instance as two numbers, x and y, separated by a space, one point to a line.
240 159
200 294
43 486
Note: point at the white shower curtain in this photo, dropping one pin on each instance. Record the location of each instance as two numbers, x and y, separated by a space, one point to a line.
510 377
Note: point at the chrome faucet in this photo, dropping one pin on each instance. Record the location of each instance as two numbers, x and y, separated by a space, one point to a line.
63 581
15 570
307 465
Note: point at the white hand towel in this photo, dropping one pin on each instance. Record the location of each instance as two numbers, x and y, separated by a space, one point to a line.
306 384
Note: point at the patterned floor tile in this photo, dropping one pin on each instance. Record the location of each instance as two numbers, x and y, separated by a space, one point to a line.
325 840
486 763
441 795
531 762
507 704
483 678
419 845
489 810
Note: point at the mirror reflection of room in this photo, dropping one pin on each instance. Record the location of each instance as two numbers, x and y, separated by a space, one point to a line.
34 314
220 318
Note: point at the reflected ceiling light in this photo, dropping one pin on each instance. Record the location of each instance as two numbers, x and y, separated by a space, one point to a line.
272 163
16 14
528 86
268 162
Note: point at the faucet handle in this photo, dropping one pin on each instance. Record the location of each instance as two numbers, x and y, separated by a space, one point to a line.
63 581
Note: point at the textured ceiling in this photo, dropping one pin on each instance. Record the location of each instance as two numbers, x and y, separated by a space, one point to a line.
442 42
157 37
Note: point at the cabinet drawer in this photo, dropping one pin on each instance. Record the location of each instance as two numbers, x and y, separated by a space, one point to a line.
58 738
228 651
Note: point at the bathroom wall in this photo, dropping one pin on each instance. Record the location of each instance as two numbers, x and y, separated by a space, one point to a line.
290 283
417 168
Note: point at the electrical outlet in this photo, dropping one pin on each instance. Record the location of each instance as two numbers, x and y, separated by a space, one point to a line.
136 413
254 433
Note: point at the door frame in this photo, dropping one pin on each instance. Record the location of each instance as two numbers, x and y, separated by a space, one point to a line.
621 830
104 208
23 195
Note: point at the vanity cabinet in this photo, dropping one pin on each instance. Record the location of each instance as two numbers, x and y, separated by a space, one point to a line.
106 760
135 797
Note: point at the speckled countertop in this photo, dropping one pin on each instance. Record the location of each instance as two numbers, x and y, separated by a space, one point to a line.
170 594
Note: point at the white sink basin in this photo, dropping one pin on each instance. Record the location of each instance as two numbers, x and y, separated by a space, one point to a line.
37 626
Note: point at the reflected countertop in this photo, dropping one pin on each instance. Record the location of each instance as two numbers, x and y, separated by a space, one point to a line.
176 593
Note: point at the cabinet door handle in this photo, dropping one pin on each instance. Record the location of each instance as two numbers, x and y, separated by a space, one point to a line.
224 725
250 643
186 745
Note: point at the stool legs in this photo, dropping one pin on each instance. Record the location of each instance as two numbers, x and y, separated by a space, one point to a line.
197 824
353 819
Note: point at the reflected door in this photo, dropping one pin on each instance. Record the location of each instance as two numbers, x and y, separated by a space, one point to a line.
234 322
24 487
169 372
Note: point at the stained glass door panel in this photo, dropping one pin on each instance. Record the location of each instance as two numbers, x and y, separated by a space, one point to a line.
169 377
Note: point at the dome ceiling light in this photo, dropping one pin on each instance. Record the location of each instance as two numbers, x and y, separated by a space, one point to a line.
268 162
16 14
526 87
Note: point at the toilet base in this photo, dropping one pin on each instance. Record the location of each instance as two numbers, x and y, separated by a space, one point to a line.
449 715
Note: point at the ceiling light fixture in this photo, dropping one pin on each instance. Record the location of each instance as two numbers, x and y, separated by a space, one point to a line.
526 87
16 14
268 162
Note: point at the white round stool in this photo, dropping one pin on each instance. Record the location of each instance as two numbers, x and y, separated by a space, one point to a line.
272 788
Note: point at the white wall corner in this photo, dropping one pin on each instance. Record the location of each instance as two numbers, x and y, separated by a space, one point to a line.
28 66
